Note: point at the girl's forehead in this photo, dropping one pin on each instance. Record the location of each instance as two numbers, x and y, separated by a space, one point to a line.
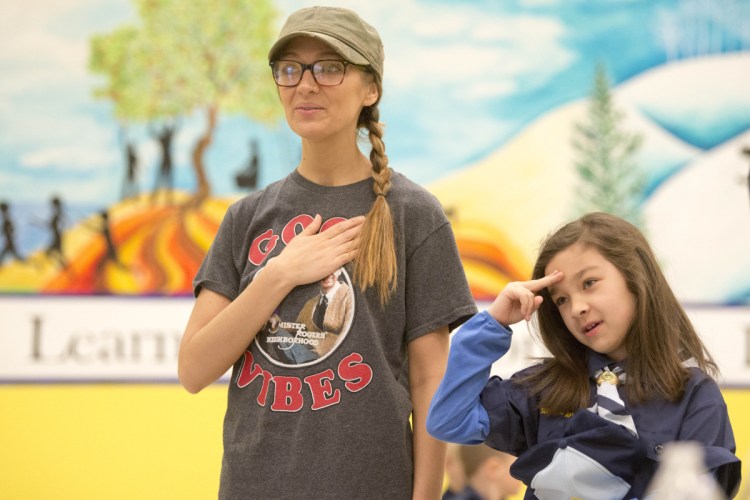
575 259
574 253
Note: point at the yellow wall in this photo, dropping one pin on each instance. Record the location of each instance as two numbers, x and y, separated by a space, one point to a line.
138 441
109 442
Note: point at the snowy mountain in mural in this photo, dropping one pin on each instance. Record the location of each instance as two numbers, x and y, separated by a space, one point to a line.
699 217
697 210
699 224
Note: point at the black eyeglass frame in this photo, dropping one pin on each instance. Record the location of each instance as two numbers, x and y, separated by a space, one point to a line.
311 67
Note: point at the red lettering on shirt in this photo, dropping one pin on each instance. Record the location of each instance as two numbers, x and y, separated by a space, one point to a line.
249 372
323 393
287 394
261 247
356 373
290 230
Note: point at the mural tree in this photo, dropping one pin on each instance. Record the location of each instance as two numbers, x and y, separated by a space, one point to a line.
610 180
200 56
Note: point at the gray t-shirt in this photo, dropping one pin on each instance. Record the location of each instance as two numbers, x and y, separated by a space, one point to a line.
318 405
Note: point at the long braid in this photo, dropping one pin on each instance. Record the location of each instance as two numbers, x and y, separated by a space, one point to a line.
376 263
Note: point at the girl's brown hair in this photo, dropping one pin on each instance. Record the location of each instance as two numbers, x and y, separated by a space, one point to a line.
376 262
660 338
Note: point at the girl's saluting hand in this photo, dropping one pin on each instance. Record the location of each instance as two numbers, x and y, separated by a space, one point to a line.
519 299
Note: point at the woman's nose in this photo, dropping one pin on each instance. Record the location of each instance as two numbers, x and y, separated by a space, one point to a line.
307 81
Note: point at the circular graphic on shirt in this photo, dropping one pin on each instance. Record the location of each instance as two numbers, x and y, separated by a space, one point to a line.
310 323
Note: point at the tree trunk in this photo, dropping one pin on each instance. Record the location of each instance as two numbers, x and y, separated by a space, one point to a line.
204 188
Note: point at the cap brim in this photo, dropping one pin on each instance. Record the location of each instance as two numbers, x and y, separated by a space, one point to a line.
341 48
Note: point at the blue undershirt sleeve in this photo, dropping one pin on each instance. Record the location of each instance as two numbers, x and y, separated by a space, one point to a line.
456 413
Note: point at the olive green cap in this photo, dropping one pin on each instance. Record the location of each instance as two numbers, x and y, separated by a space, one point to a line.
342 29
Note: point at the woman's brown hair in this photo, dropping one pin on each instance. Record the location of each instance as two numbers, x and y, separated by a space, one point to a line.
376 262
660 338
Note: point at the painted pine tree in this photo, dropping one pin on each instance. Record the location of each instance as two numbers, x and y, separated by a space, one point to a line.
609 177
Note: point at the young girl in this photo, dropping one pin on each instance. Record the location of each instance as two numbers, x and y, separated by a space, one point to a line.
312 412
628 372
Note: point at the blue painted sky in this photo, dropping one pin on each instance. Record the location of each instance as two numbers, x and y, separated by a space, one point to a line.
461 78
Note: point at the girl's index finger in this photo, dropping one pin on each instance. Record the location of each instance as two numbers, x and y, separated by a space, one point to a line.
545 281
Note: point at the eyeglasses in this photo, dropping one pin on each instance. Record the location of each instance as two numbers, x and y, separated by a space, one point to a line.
326 73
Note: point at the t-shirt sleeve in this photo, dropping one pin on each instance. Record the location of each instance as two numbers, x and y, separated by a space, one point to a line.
437 293
218 271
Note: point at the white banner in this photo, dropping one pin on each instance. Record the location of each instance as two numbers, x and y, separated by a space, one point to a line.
67 339
122 339
724 330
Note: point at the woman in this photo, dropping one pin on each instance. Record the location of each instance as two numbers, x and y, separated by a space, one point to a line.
333 426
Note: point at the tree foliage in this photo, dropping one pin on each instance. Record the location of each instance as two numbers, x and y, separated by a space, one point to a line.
610 179
207 56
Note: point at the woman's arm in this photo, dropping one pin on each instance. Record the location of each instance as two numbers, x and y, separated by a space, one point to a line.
427 357
219 330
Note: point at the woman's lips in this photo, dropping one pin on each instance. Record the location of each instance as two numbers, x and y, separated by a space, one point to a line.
307 109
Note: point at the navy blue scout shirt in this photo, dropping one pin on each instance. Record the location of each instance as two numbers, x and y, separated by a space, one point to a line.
583 454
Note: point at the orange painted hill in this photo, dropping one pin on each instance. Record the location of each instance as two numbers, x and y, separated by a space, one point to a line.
137 248
143 248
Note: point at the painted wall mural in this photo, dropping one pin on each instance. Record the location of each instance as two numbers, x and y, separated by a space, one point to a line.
135 125
127 127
